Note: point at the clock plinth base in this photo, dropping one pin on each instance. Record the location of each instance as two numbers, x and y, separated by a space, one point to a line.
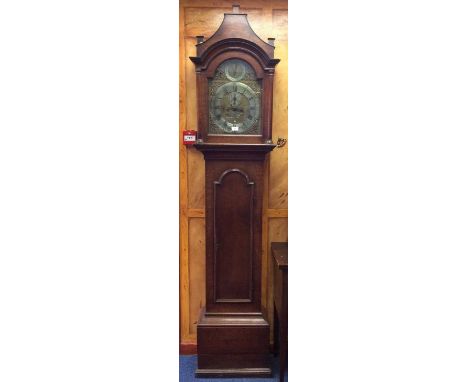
233 346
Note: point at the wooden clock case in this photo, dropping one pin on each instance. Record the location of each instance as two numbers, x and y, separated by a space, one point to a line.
232 332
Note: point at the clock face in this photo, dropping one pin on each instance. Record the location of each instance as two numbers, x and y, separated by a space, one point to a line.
235 100
235 70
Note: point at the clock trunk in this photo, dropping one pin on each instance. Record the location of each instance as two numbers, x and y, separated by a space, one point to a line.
232 333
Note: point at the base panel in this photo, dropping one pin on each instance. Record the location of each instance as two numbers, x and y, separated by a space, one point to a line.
233 346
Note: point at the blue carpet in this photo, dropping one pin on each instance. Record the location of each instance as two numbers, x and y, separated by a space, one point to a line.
188 365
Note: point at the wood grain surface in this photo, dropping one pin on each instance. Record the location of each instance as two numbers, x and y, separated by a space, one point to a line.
268 18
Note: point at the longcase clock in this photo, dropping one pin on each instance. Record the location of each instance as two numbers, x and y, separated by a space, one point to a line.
235 70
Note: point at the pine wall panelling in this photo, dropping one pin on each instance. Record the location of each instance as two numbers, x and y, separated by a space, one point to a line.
202 17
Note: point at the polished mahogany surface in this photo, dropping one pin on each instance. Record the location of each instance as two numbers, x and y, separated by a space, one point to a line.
232 332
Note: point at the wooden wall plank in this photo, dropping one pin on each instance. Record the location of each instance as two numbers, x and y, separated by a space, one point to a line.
279 157
183 199
204 21
278 231
227 4
196 179
277 213
266 31
280 24
197 270
190 84
196 213
195 161
202 17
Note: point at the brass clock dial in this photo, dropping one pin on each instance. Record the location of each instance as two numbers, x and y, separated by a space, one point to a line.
235 100
235 107
235 70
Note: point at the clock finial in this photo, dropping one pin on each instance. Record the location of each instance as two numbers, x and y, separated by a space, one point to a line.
235 8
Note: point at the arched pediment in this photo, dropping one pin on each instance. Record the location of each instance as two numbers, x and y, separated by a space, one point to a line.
235 34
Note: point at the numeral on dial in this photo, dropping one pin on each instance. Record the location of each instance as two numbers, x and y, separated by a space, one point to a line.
235 104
